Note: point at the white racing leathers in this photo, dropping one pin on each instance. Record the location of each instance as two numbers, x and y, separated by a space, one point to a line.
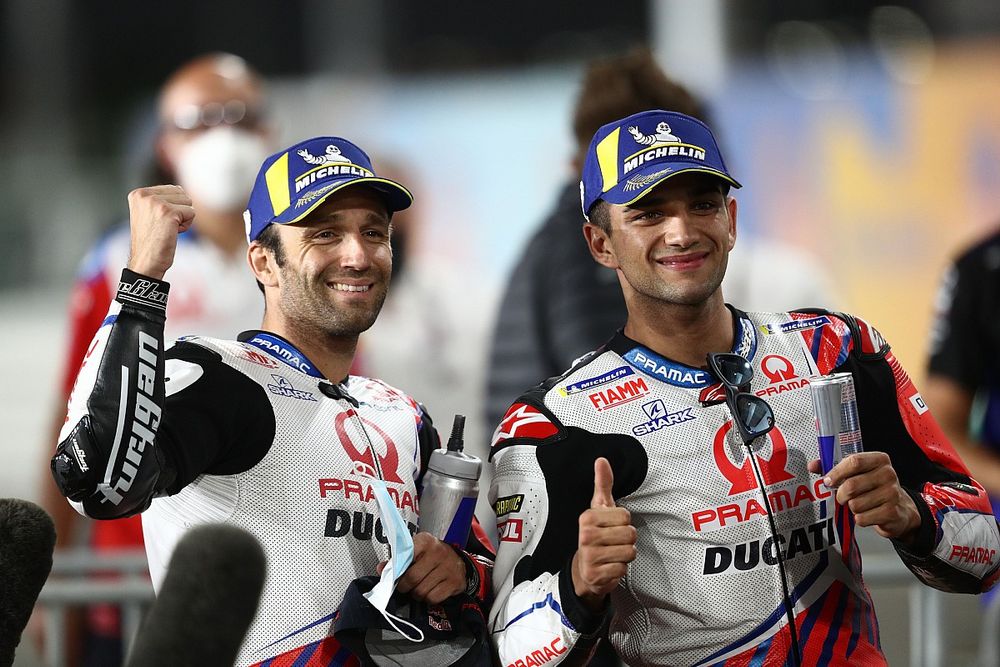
705 588
247 433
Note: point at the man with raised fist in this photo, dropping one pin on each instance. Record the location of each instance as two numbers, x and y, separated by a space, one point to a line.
269 433
212 133
665 491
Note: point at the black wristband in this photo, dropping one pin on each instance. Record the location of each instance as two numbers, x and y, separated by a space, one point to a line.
471 573
147 293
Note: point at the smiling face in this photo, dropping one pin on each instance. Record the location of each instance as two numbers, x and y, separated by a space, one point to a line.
336 267
672 246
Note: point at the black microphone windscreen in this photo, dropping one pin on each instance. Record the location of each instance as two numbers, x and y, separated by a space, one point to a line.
207 601
27 538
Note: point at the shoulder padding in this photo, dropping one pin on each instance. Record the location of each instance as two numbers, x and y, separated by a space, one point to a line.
866 342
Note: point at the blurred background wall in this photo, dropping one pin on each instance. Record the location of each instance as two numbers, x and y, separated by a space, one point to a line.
867 134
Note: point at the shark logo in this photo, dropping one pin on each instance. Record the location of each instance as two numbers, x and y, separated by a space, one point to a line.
332 155
663 135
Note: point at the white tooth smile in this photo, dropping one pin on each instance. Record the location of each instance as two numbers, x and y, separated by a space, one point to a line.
341 287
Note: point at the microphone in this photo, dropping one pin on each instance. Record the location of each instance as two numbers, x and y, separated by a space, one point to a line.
27 538
207 601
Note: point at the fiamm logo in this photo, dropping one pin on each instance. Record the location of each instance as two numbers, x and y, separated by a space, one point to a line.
619 394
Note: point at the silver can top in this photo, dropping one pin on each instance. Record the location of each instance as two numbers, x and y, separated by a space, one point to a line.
833 378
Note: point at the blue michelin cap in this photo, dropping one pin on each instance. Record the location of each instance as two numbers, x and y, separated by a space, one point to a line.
628 158
293 182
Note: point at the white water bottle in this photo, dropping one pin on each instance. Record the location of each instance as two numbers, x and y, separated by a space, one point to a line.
450 490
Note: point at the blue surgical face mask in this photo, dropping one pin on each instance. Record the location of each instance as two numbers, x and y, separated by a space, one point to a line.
400 557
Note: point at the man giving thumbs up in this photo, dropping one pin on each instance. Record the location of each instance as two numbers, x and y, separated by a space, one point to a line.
711 573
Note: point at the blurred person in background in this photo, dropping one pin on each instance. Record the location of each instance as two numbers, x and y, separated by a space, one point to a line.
560 304
212 136
431 334
963 376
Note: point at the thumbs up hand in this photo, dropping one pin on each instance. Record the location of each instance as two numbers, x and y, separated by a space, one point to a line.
604 479
606 544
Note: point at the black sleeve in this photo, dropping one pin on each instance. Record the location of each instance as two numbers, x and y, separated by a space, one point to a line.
129 437
566 460
956 339
548 539
106 459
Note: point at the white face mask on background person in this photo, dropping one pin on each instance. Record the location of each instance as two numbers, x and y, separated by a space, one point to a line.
218 167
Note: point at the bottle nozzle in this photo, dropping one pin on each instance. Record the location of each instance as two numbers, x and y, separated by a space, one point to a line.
456 442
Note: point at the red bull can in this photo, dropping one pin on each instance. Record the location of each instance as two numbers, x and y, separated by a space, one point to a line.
837 425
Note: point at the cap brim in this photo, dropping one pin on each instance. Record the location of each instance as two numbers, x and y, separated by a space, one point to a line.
623 197
395 196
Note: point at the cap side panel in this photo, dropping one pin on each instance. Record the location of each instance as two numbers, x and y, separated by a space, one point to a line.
276 178
607 159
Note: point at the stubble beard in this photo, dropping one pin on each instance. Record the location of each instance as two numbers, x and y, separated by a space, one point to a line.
310 307
654 288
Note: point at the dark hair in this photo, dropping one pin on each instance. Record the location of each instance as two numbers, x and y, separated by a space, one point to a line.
617 87
270 240
600 216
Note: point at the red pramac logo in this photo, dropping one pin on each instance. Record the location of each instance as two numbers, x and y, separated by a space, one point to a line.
363 463
777 368
780 374
741 477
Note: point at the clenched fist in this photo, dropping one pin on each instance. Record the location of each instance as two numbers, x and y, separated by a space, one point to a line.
435 574
606 544
157 215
